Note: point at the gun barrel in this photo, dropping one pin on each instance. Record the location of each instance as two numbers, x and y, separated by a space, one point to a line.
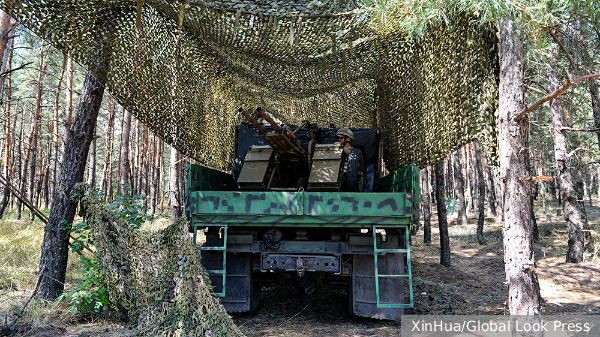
268 118
251 119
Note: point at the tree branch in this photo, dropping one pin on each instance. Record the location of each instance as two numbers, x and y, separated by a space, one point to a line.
579 130
553 95
575 151
17 68
535 90
562 47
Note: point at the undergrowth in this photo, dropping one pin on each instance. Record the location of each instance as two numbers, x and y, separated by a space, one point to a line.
90 294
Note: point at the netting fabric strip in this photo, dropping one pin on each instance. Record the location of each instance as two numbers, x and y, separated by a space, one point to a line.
183 68
156 280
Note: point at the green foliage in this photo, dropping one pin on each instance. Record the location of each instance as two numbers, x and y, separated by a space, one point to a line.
129 208
415 16
91 294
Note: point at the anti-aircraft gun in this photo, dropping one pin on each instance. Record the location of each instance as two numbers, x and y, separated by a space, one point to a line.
290 214
301 159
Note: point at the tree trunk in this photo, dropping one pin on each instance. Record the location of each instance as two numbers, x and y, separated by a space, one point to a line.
519 262
107 171
156 175
91 179
144 158
53 262
543 193
5 30
481 197
473 173
590 189
442 217
40 178
55 134
184 161
459 190
33 139
449 181
69 103
55 246
574 211
489 180
19 168
124 174
426 204
174 200
467 179
595 106
7 135
552 189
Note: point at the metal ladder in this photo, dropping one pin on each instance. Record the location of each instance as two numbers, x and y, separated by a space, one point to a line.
376 252
222 272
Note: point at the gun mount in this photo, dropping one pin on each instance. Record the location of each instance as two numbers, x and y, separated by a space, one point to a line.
298 158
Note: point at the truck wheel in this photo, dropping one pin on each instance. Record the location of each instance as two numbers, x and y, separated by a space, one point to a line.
237 166
356 176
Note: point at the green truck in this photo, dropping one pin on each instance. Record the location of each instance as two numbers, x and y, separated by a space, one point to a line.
272 223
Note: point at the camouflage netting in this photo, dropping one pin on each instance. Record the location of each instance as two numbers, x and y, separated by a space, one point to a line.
183 68
155 279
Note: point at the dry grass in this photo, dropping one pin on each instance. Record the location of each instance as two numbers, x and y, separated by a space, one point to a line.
472 285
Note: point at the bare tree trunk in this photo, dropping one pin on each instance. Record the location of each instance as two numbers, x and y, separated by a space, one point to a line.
459 190
124 173
467 179
595 106
473 177
156 175
481 199
25 166
449 181
7 135
574 211
35 128
174 200
53 261
69 102
442 217
426 204
519 261
107 171
164 181
184 161
489 180
5 30
55 135
552 189
40 180
91 179
144 158
590 189
543 192
55 252
134 159
536 232
19 168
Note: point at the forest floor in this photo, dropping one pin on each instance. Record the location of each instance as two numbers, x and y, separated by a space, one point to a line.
474 284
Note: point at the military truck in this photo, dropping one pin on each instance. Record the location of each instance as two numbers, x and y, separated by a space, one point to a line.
299 211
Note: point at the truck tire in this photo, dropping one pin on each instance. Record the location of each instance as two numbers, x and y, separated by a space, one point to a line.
356 176
237 165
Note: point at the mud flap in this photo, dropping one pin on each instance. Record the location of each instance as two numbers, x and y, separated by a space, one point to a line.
391 290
